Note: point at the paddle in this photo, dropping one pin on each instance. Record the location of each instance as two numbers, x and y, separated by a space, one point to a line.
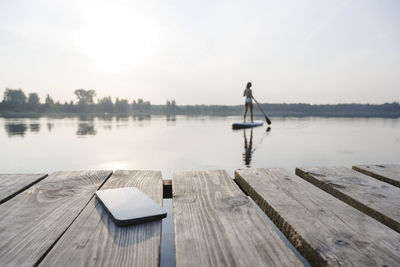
266 118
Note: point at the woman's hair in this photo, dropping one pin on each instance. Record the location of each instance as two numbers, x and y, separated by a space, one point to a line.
248 85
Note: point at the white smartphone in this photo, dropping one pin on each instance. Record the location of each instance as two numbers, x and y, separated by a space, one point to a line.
129 205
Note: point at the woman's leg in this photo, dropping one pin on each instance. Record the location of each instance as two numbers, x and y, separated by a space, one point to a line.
245 112
251 111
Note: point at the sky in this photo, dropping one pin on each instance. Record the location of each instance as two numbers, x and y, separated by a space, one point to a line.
203 52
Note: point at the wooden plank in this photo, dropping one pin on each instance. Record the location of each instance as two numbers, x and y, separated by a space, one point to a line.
31 222
373 197
94 239
325 230
217 225
13 184
389 173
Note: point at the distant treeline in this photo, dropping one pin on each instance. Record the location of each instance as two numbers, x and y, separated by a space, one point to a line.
16 102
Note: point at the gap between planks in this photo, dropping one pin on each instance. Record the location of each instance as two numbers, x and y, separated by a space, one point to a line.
215 224
371 196
35 219
95 240
325 230
13 184
389 173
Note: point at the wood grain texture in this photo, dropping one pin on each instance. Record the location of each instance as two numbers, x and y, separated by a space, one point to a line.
13 184
32 221
325 230
94 239
215 224
389 173
373 197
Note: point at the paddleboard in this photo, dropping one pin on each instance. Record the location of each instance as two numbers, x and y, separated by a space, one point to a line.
241 125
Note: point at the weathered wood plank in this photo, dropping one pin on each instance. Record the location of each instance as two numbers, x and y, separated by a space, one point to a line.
13 184
389 173
325 230
32 221
217 225
94 239
373 197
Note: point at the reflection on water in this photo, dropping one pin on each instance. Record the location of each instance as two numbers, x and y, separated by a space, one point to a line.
15 129
106 117
173 143
86 128
34 127
107 127
86 125
171 120
171 117
122 117
50 126
248 148
141 117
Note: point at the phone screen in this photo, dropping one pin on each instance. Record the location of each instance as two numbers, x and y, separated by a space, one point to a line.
129 205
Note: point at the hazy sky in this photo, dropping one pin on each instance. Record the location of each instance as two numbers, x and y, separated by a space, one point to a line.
315 51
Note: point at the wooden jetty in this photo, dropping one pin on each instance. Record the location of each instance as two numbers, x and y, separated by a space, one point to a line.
331 216
373 197
388 173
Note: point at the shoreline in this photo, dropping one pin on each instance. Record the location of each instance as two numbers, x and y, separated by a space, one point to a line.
211 114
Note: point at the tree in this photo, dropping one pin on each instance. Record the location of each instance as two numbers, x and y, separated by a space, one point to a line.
49 100
49 103
173 105
14 99
140 106
147 105
85 97
33 101
170 106
134 105
122 105
105 104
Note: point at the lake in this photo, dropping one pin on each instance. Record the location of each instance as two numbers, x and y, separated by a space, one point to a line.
170 143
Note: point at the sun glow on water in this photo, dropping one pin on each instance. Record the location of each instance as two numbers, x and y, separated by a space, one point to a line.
115 165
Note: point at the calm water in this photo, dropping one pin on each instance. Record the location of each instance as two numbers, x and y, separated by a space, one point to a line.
192 143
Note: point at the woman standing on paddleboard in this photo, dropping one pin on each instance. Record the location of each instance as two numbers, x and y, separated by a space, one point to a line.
248 102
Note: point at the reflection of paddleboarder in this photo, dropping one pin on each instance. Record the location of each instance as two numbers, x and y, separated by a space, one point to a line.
248 148
248 93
